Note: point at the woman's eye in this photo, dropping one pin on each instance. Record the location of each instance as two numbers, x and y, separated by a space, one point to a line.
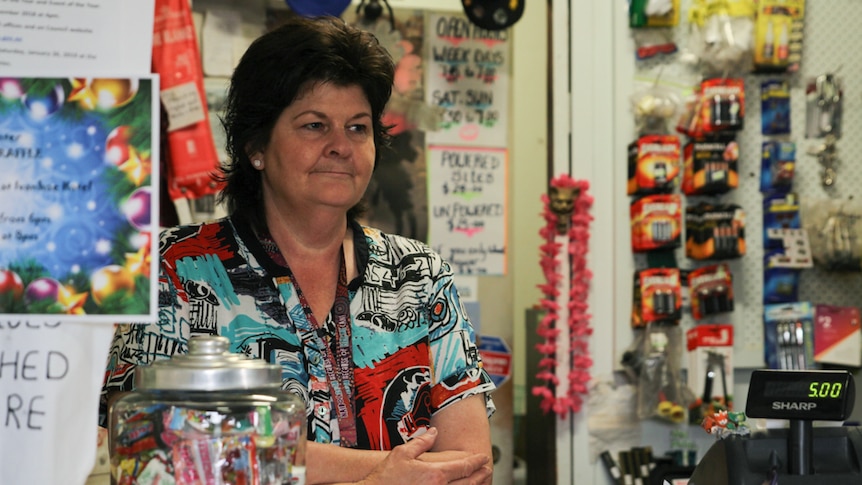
315 125
360 128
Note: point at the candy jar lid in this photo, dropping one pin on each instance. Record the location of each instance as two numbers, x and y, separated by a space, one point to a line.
208 366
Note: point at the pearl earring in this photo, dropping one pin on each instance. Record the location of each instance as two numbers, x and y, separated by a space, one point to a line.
256 163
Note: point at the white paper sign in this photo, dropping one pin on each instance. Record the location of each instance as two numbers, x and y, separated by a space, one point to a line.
468 75
221 26
467 207
78 225
50 378
94 37
183 105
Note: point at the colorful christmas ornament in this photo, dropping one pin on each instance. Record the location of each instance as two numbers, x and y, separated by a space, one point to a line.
42 289
137 208
102 94
11 283
111 279
118 145
42 106
10 88
11 289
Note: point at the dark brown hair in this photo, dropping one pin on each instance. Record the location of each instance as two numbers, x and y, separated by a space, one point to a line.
272 73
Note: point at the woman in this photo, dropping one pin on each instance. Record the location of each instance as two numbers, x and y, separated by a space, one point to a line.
368 327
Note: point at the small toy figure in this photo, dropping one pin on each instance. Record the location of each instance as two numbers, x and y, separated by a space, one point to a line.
725 423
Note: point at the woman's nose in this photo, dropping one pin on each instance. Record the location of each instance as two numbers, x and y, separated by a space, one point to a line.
339 144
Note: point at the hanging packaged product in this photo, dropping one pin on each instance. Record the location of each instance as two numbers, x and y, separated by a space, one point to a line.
786 253
660 392
778 35
653 107
724 104
651 22
775 107
653 164
714 231
717 106
780 284
710 369
711 290
653 13
710 167
659 295
721 40
780 211
656 222
837 339
788 335
795 251
824 106
834 227
191 155
777 166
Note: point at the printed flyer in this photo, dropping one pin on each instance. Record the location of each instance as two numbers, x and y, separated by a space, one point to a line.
78 199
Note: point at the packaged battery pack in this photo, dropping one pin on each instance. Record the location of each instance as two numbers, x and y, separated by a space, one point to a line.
711 290
777 166
660 295
654 164
714 231
710 167
656 222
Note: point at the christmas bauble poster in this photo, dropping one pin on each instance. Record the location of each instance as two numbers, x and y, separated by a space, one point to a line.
76 197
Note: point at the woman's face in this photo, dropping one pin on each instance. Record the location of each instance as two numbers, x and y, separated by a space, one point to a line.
321 151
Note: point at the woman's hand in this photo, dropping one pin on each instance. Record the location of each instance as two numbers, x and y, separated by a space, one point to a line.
403 465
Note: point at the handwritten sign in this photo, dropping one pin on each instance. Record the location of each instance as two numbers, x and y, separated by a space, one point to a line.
50 376
467 207
468 75
77 198
46 37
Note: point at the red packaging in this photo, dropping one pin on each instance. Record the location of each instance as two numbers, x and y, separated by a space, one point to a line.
656 222
653 164
191 157
837 335
661 294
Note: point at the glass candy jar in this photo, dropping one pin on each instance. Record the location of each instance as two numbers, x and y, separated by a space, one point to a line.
208 417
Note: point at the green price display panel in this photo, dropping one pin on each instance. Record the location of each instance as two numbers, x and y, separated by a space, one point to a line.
803 395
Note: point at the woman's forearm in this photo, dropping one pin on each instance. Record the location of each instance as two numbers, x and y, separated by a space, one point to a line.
328 464
407 463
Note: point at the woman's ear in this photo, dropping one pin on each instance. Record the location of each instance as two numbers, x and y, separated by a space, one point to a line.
253 151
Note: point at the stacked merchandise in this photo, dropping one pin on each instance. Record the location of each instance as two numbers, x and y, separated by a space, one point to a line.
684 160
684 167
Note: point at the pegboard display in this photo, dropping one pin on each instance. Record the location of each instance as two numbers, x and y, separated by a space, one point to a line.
832 39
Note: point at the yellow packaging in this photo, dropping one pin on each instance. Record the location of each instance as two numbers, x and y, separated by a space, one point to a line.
778 35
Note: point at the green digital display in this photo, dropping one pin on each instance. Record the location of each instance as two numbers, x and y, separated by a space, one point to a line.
805 395
826 390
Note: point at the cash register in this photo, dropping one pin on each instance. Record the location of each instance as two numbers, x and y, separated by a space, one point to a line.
801 453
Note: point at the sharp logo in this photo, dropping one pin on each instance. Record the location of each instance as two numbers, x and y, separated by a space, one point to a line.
793 406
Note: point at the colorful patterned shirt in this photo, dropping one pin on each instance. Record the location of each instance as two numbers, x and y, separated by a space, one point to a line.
413 346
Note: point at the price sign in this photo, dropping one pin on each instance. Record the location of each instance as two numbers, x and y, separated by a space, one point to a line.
468 77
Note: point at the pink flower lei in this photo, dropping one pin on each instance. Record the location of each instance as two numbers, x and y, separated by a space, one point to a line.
578 235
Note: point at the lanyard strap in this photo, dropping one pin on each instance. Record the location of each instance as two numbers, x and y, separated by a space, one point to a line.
338 358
